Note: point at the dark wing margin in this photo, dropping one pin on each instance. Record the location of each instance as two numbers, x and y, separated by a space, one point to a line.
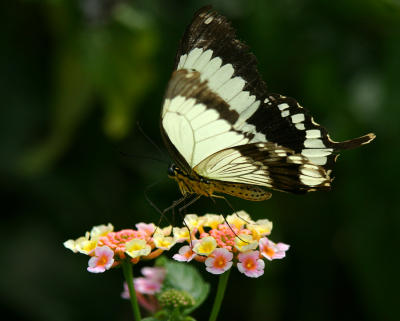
219 36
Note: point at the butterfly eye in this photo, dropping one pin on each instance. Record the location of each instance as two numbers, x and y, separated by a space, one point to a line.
171 170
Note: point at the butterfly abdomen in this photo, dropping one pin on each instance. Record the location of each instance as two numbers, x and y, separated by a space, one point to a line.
195 184
247 192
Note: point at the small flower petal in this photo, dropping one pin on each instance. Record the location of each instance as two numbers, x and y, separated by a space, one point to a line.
154 273
250 264
137 247
272 251
102 261
146 228
206 246
260 228
239 219
181 234
193 221
147 286
100 230
163 242
213 220
185 254
244 243
219 261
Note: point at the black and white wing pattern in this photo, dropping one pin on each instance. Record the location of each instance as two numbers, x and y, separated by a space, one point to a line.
220 121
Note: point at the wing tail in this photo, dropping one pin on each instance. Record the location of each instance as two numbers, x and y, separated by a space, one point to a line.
353 143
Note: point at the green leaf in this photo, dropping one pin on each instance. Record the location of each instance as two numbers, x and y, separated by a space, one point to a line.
182 276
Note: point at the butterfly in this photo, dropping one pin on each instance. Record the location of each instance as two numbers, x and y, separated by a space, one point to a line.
227 134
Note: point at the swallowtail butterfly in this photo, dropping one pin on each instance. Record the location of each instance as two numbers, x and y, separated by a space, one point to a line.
227 134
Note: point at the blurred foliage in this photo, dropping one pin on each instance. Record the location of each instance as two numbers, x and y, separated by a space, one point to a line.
77 76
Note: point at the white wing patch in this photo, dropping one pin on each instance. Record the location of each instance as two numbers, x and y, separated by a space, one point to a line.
221 81
196 131
230 165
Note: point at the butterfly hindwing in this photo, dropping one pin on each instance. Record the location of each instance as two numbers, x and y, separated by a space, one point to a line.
265 164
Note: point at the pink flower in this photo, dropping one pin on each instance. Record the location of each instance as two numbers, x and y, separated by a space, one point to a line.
185 254
102 261
149 302
151 283
250 264
154 273
219 261
272 251
147 286
147 228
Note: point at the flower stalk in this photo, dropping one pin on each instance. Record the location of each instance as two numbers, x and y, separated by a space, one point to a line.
222 282
128 274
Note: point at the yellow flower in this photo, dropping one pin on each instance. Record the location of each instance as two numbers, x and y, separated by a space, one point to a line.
101 230
161 232
213 220
238 219
245 242
193 221
167 230
86 244
206 246
260 228
82 244
163 242
137 247
181 234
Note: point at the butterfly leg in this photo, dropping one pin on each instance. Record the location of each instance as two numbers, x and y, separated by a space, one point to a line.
171 207
183 208
234 212
175 203
189 203
153 205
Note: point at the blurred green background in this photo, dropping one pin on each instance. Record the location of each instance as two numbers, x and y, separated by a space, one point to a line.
77 76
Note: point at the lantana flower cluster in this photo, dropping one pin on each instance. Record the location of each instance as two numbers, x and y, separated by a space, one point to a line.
217 242
222 243
108 248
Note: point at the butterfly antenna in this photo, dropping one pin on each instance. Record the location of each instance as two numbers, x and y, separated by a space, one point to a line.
163 155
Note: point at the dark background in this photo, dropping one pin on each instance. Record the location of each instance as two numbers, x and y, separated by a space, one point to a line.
75 78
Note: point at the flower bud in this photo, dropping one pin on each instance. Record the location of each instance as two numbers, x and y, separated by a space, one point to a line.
174 299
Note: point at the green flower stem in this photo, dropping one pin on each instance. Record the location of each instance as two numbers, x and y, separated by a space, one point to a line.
223 281
128 274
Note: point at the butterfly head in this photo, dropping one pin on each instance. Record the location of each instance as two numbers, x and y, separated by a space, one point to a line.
172 171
